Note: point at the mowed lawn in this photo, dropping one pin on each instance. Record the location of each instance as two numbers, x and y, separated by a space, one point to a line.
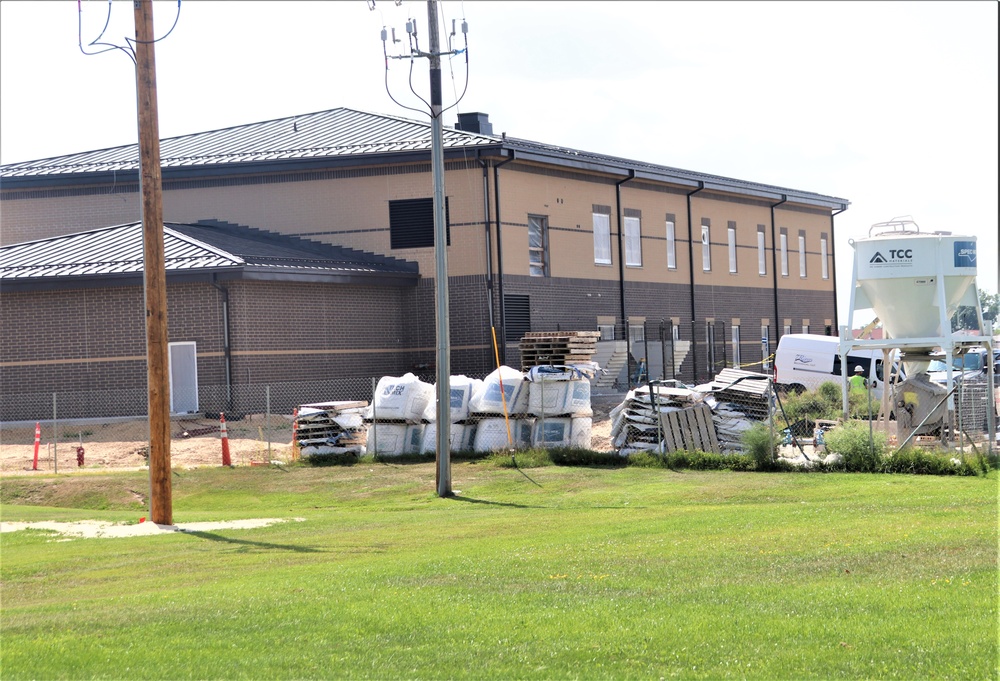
545 573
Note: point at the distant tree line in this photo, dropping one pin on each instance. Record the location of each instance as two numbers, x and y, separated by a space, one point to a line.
965 315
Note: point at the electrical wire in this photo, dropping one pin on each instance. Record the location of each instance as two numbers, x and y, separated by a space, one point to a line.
129 48
156 40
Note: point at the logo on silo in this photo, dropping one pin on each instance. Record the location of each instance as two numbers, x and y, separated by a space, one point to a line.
965 254
898 257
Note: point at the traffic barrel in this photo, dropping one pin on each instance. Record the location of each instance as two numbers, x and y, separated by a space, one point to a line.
226 461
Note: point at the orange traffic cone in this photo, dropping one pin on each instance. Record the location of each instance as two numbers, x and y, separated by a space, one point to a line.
226 461
38 441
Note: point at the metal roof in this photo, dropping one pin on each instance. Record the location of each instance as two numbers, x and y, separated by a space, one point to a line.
206 250
347 136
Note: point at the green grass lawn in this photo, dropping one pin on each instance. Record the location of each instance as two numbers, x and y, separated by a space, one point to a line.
550 573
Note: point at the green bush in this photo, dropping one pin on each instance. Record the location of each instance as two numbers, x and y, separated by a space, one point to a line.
863 449
831 393
761 446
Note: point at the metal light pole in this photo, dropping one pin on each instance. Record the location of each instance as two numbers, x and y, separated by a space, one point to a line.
443 468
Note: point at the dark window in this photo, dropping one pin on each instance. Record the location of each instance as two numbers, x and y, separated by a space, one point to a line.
517 314
411 223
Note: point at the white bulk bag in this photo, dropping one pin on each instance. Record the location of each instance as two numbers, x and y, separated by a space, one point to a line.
486 399
401 399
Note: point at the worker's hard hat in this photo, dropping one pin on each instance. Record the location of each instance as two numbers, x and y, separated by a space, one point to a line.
859 370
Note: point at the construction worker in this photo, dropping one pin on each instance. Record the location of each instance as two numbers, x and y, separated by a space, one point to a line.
858 380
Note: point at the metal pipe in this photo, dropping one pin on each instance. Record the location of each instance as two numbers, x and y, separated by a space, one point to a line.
227 352
496 202
774 266
694 344
621 273
833 264
489 238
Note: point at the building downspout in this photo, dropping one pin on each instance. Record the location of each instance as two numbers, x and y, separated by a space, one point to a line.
694 318
833 265
503 315
774 267
489 236
226 349
621 275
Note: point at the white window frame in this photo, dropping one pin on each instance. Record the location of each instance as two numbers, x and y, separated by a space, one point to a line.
805 328
802 256
706 248
736 345
602 239
671 246
761 254
538 265
607 331
784 254
636 333
633 242
824 254
732 249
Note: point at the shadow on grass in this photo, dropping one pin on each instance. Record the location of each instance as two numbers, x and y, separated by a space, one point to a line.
470 500
247 545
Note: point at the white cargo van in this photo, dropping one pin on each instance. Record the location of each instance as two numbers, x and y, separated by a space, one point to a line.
804 361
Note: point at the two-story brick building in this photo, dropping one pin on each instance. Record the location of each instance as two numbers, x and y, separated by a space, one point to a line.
540 238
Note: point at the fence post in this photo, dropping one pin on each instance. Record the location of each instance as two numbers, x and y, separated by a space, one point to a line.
374 422
55 437
673 352
267 419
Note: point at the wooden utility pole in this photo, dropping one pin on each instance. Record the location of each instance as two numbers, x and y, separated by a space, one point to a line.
154 277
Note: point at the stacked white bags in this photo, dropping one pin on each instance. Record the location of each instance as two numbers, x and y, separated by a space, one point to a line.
559 398
489 405
463 430
396 415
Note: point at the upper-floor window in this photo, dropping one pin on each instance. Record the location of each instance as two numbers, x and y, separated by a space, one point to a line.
824 254
602 239
538 237
706 247
671 244
732 247
761 251
633 242
783 238
802 255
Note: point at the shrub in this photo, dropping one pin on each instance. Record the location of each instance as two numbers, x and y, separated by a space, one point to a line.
760 445
863 450
831 393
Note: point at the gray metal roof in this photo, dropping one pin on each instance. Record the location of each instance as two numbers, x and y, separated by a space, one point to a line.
344 136
200 251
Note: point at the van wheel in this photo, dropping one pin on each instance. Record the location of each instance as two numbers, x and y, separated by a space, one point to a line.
796 389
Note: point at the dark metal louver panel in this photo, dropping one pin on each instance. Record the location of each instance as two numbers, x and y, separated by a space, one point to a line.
517 315
411 223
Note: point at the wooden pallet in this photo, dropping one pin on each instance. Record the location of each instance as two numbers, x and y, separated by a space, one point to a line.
557 347
690 429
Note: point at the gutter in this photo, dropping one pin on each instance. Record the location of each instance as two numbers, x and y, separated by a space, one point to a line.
833 267
621 274
496 200
694 344
774 274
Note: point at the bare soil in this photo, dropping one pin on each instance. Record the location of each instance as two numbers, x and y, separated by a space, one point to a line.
194 442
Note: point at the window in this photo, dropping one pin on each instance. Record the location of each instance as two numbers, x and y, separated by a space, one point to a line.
538 235
671 243
710 341
784 253
787 330
802 255
411 223
675 331
633 242
805 328
602 239
765 348
736 346
607 331
823 254
732 247
636 333
706 248
761 251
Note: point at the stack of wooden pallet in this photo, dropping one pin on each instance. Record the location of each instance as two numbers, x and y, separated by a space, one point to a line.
331 428
541 348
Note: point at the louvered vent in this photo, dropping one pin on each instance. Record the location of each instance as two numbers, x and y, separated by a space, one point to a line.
411 223
517 314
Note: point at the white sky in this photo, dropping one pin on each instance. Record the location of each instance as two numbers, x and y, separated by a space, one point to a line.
890 105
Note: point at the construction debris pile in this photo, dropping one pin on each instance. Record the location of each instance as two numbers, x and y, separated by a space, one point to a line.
669 416
330 428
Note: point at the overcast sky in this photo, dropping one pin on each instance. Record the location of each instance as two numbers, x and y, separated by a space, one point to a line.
890 105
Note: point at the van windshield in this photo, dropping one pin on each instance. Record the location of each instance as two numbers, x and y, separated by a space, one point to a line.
972 361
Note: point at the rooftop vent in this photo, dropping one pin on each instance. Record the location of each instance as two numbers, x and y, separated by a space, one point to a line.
475 122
